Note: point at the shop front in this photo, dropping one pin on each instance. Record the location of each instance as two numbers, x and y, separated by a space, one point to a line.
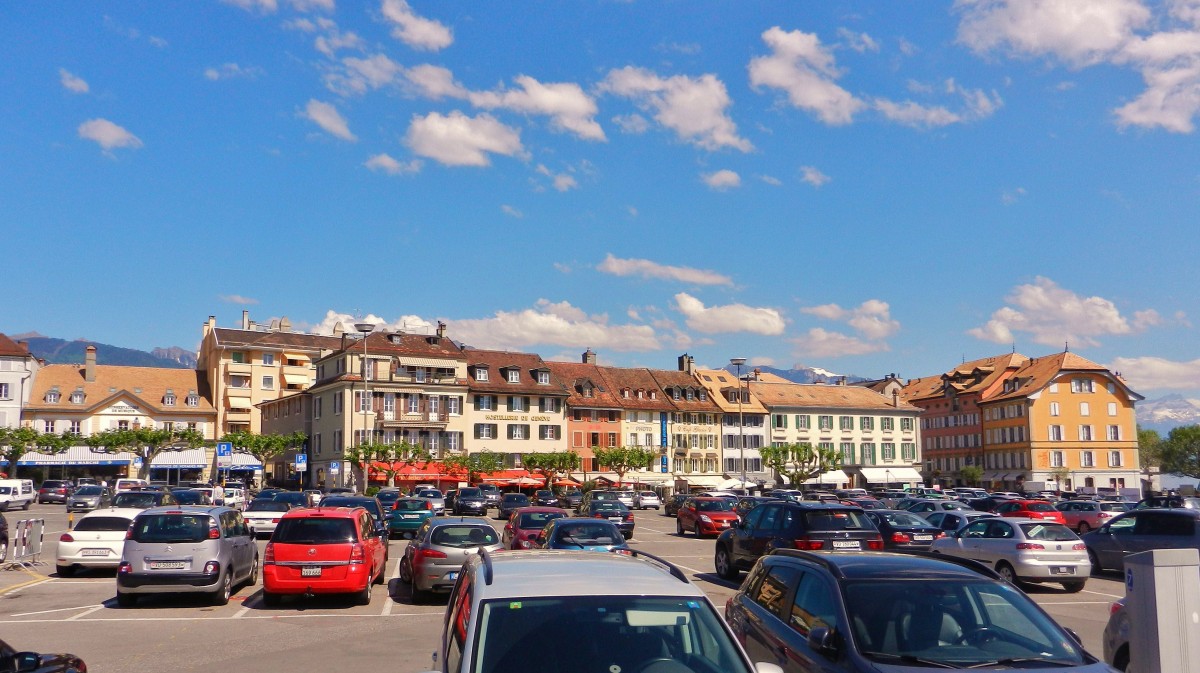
75 462
178 467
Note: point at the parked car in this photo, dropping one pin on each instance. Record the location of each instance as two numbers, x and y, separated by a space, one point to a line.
525 523
435 497
388 498
545 498
872 612
1168 502
801 525
234 496
1031 509
216 494
88 498
748 502
96 541
130 485
179 549
926 506
866 503
330 550
613 510
340 490
570 498
599 494
581 534
705 516
904 531
294 498
1141 530
626 497
55 490
1085 515
34 662
143 499
671 506
190 496
433 558
16 494
1116 636
504 617
315 495
1022 550
646 500
3 539
264 515
510 502
470 500
952 521
367 502
491 492
407 515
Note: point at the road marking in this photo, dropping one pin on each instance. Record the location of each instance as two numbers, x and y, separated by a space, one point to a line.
244 610
43 612
1101 593
389 601
28 583
84 614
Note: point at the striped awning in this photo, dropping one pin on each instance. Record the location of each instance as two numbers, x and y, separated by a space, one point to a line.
295 356
76 455
187 459
239 402
245 461
295 379
425 362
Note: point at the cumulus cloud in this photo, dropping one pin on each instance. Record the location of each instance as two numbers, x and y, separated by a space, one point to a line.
553 324
648 269
729 318
813 176
771 180
335 40
694 108
108 135
328 118
820 343
231 70
459 140
860 42
803 69
407 323
1154 373
722 179
72 83
565 103
872 319
313 5
264 6
385 163
359 75
237 299
976 104
1012 196
513 212
1054 316
415 31
633 124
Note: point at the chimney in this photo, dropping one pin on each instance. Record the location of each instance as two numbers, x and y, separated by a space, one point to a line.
441 330
589 357
89 364
687 363
245 319
210 324
895 398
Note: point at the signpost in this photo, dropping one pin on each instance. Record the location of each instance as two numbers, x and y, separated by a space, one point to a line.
334 467
224 458
301 466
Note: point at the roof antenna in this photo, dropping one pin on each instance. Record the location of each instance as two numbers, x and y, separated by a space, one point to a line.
1014 346
1066 346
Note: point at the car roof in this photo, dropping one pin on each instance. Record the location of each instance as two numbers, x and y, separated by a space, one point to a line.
126 512
890 565
459 520
188 509
328 512
576 573
541 509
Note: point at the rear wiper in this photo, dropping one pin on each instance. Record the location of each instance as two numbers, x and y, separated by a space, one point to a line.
1024 660
910 659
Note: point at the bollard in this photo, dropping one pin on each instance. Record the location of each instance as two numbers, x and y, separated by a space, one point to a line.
70 520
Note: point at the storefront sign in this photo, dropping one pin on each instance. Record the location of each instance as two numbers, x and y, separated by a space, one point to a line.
517 417
123 408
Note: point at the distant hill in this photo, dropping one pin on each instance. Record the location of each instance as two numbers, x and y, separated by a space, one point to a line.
176 354
800 374
61 351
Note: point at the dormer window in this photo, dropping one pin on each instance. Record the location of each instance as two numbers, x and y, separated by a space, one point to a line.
654 394
675 394
587 391
77 397
625 393
514 376
481 374
52 397
690 395
169 399
193 400
641 394
543 378
703 396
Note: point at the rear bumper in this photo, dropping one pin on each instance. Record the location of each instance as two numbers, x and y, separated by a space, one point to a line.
1044 571
355 580
167 583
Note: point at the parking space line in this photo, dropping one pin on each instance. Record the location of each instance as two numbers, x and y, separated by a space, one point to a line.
44 612
1101 593
389 601
84 614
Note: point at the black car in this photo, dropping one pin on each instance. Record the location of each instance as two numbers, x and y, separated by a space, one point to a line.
293 498
746 503
144 499
904 531
33 662
545 498
190 496
864 612
509 502
672 505
470 500
570 499
54 490
796 525
613 510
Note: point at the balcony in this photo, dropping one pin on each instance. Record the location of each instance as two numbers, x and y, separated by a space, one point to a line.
238 368
424 420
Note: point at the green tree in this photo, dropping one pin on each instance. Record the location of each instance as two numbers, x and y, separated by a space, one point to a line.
1180 451
799 462
550 465
393 458
266 447
1149 450
475 464
623 459
16 442
360 456
971 474
147 443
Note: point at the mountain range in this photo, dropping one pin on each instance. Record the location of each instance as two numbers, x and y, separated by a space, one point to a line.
1164 413
62 351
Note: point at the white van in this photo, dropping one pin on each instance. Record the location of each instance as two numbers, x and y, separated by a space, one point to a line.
16 494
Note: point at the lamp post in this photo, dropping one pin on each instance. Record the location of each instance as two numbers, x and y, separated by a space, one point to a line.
888 474
738 362
365 328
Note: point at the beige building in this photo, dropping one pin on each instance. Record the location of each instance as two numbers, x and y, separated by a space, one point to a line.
284 416
743 425
517 405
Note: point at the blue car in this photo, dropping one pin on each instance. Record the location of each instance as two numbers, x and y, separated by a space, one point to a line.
582 533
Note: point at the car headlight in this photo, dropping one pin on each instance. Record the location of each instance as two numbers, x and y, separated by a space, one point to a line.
705 519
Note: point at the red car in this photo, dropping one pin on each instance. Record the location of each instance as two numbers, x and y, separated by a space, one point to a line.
329 550
705 516
525 523
1031 509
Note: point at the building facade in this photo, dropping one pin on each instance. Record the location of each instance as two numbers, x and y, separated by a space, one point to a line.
17 370
743 425
592 412
284 416
694 427
516 405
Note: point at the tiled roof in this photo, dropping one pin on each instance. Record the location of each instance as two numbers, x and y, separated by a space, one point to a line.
1040 372
498 364
788 394
962 378
10 348
241 338
574 375
412 345
720 382
673 378
633 379
147 384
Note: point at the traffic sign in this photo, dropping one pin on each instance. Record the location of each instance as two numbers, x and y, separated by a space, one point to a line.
334 467
137 462
224 454
301 462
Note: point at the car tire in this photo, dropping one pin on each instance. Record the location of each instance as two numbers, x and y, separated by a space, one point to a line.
724 564
1007 573
364 597
679 528
1074 587
252 579
1095 559
126 600
418 594
271 599
224 591
405 571
64 571
1084 527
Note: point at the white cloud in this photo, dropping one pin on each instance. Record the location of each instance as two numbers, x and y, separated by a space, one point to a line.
648 269
872 319
805 71
407 323
415 31
334 40
72 83
434 82
231 70
729 318
1054 316
761 361
568 107
633 124
722 179
512 212
1153 373
459 140
264 6
385 163
554 324
1080 33
313 5
860 42
359 75
694 108
560 181
771 180
819 343
237 299
327 117
813 176
1012 196
976 104
108 135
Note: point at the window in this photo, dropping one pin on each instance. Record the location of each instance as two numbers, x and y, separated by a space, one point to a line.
169 400
825 422
1056 459
1114 459
364 402
316 408
454 406
1112 408
846 422
268 359
52 397
1056 434
514 376
868 453
550 404
908 451
485 431
779 421
548 432
1085 409
1081 386
887 423
481 374
516 431
906 424
675 396
48 427
239 382
866 422
543 378
889 450
1085 433
337 403
516 403
847 449
238 357
414 403
268 383
814 606
419 374
1087 459
690 394
1054 410
484 403
77 397
802 421
1114 433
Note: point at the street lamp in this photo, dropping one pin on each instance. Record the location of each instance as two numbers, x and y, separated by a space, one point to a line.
738 362
363 405
888 475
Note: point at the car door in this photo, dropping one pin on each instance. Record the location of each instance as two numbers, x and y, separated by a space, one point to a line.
997 543
1110 542
813 606
1071 513
765 614
1159 530
234 531
970 540
372 541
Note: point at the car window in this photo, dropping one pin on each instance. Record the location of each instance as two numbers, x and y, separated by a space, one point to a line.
714 505
1048 532
1124 525
1154 523
463 536
772 590
529 520
315 530
754 518
837 519
135 500
171 528
89 490
813 606
1111 507
267 506
468 493
101 523
586 534
904 519
1039 507
999 530
977 529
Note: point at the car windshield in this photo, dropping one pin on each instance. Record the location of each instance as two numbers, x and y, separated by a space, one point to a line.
343 501
410 505
292 497
171 528
429 493
544 494
388 496
903 519
586 535
188 497
607 505
315 530
136 500
515 497
960 623
1048 532
836 519
528 520
101 523
464 536
89 490
715 505
617 633
267 506
1040 507
468 493
954 504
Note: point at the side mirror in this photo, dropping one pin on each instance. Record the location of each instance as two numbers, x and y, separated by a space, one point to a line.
822 640
1073 634
26 661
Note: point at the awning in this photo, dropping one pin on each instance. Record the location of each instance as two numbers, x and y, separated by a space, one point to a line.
239 403
890 475
295 356
425 362
76 455
832 478
703 482
996 476
245 461
735 483
295 379
187 459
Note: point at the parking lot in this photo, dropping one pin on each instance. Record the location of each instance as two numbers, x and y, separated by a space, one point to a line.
40 611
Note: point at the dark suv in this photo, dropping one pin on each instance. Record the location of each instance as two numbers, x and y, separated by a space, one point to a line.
880 611
799 525
470 500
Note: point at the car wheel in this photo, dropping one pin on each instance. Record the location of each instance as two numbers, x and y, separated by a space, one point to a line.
253 578
64 571
223 592
1095 559
26 507
405 571
364 597
3 550
724 564
1074 587
271 600
126 600
1007 573
1084 527
679 527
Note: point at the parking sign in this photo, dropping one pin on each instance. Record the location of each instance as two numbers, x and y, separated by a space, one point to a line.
334 467
224 454
301 462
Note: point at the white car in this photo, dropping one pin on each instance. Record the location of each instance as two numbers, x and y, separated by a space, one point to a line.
315 495
435 498
1022 550
263 515
215 495
647 499
235 497
96 540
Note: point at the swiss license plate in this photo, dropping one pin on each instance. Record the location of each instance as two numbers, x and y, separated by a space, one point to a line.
615 518
452 576
168 565
846 544
95 552
922 538
409 516
310 571
1062 570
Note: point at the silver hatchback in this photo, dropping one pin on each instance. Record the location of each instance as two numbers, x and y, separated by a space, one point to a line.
189 549
434 556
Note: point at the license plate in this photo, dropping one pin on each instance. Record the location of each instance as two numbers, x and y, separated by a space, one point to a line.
1062 570
95 552
922 538
409 516
452 576
617 519
310 571
168 565
846 544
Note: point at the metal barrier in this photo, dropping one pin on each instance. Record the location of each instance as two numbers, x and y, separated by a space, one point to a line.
25 544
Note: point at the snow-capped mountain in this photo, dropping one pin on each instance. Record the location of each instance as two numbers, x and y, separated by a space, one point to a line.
1168 412
801 374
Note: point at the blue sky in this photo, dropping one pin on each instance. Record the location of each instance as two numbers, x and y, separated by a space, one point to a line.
866 187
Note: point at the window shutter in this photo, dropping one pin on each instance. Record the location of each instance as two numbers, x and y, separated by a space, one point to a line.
477 406
477 430
510 402
495 430
526 407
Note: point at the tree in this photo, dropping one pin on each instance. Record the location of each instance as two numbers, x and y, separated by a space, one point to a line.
147 443
265 447
622 459
1150 446
971 474
800 462
1180 451
395 457
1060 474
474 464
17 442
361 456
550 465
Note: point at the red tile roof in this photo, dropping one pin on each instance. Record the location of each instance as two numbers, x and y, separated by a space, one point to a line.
498 364
633 379
149 385
10 348
575 375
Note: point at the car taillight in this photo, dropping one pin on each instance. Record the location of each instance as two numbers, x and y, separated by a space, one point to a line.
274 520
808 543
941 534
1079 546
624 552
1029 545
429 504
269 554
1112 609
129 533
899 537
358 554
1104 515
214 533
125 567
629 516
598 515
66 537
212 568
875 544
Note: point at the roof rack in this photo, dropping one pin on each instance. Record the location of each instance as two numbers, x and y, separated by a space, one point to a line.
487 565
819 559
670 567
